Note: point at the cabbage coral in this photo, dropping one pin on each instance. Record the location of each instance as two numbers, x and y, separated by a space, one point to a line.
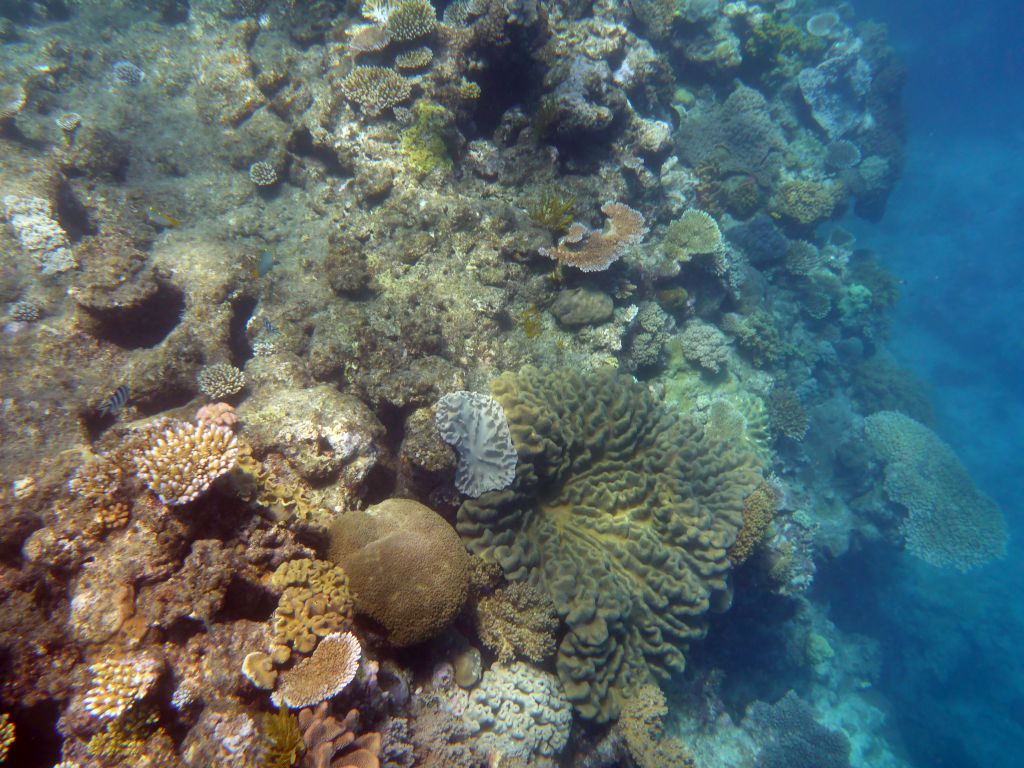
623 514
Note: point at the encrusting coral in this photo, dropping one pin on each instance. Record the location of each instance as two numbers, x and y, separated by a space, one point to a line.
622 514
594 251
392 545
758 510
315 602
642 727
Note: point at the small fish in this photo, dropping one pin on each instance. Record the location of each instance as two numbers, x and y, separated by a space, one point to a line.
161 219
269 327
266 264
113 406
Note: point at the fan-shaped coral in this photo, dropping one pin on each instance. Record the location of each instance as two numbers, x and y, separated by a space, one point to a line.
623 514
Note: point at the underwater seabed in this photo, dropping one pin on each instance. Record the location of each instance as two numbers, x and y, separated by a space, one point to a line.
479 384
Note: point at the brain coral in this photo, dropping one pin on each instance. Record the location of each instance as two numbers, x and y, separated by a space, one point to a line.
623 514
406 567
521 712
949 521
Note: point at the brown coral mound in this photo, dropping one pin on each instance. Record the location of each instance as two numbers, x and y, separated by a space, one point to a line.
758 510
623 514
406 566
596 251
331 743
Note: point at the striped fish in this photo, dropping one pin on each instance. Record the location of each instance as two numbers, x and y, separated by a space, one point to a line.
113 406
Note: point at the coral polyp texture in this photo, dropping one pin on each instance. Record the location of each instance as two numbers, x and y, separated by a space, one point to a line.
410 20
117 684
41 236
375 88
520 712
393 545
323 675
182 460
476 427
315 602
596 250
623 514
949 521
694 232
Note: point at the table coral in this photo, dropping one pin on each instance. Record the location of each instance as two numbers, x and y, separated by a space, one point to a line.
323 675
594 251
406 566
694 232
949 521
623 514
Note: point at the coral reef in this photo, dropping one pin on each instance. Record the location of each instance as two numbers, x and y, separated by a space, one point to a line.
582 441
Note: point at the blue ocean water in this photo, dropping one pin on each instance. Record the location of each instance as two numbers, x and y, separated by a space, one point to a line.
953 233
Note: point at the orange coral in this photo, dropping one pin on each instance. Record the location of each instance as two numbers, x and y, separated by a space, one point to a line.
594 251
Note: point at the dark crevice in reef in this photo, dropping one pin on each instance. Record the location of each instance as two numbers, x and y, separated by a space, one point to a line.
241 313
145 325
301 144
34 745
508 79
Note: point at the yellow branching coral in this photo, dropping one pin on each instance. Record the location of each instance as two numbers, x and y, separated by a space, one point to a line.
123 741
375 88
758 510
184 459
694 233
118 683
323 675
283 739
518 620
6 735
594 251
949 521
623 514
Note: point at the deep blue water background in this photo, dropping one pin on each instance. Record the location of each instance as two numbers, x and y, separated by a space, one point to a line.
954 232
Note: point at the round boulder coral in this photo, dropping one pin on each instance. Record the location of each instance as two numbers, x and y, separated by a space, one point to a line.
406 567
623 514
